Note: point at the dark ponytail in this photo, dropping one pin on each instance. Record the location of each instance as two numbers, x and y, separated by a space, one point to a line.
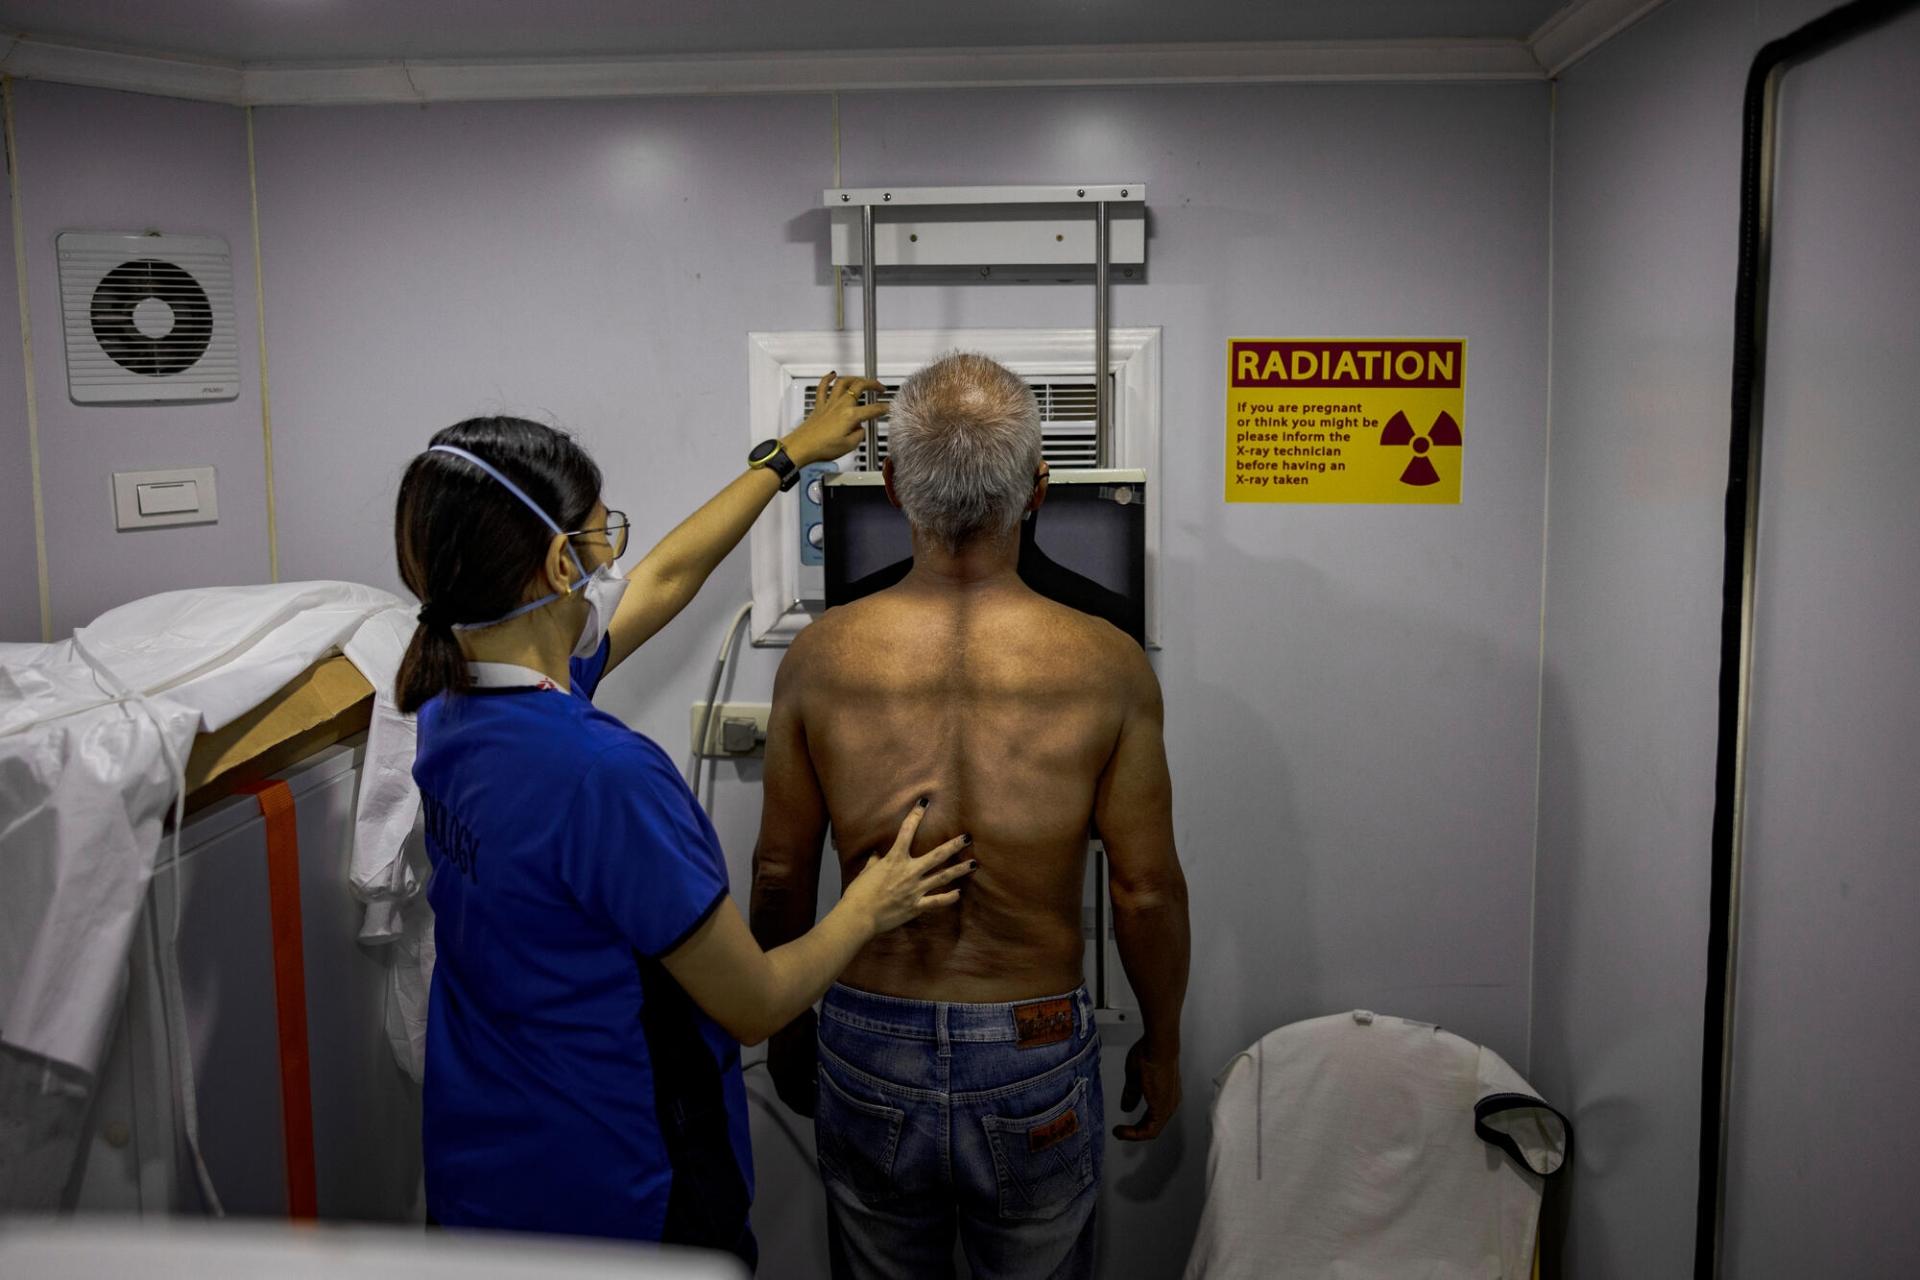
468 548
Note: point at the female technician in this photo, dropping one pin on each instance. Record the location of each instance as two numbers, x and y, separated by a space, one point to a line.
593 983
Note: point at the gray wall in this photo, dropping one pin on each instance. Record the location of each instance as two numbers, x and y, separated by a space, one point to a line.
1826 1123
1645 212
100 161
1351 691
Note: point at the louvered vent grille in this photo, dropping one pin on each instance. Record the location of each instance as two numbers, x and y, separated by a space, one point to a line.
148 317
1066 423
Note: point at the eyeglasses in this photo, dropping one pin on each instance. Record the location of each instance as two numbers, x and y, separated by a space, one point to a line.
615 530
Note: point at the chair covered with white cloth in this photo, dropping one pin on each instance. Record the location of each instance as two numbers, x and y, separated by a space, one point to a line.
1363 1145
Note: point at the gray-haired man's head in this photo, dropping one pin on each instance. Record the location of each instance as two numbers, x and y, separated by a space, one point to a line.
963 445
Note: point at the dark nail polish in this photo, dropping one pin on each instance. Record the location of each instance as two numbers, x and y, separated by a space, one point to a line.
924 802
974 865
965 841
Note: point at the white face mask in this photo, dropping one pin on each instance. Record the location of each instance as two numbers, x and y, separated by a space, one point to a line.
603 587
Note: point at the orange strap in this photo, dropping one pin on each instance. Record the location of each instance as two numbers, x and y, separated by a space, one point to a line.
290 994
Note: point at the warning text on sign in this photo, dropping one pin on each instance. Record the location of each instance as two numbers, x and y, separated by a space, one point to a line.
1345 420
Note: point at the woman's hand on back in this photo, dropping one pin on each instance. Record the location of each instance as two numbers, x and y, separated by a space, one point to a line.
896 887
837 423
754 994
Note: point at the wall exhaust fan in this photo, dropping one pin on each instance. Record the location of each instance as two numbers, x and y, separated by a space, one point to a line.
148 318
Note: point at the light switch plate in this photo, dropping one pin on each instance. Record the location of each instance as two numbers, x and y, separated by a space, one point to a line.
165 495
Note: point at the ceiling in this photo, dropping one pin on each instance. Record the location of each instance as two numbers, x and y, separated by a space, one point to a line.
260 31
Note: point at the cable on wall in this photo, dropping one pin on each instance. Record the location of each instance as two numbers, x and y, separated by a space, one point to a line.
26 360
1742 523
260 324
698 755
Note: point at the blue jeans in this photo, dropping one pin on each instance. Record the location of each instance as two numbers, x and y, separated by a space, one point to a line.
986 1118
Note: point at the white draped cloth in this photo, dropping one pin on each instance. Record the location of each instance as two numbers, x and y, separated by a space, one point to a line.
94 734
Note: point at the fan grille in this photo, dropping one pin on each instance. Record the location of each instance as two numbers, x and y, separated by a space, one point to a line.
1067 438
132 292
148 317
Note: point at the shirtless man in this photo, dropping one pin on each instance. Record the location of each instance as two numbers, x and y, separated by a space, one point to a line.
957 1063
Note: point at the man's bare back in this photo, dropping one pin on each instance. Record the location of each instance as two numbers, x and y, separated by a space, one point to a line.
1025 721
1005 708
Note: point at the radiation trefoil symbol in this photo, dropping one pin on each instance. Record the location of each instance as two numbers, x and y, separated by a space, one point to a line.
1444 432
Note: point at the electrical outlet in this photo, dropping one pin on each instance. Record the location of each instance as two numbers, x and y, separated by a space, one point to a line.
734 724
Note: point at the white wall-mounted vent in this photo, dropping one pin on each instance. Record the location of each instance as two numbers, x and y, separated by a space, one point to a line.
148 318
784 370
1066 421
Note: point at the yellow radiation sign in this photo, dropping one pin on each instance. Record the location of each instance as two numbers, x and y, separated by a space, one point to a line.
1364 420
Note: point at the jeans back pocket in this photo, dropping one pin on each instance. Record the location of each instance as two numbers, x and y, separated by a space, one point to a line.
856 1140
1043 1161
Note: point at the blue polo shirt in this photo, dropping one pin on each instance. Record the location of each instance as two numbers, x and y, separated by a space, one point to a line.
571 1084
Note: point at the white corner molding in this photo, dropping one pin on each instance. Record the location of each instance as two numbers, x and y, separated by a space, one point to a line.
359 84
1563 39
1581 27
432 80
693 75
166 76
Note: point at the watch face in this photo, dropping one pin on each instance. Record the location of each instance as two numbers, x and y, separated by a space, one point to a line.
762 451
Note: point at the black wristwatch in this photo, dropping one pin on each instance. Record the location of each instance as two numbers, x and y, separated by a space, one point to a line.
773 456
